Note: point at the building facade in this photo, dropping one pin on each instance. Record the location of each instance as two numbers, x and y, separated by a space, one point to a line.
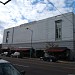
57 31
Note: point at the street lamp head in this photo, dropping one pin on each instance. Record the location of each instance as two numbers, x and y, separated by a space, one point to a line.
27 28
30 30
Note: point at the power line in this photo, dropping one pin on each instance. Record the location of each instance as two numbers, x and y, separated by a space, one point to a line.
59 10
72 5
5 2
63 15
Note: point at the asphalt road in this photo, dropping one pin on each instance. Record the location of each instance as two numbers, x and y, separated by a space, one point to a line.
39 67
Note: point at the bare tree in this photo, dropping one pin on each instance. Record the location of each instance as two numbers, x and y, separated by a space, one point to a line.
48 45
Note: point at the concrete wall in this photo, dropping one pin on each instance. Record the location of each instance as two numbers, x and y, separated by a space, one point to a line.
67 27
10 39
74 34
43 30
22 35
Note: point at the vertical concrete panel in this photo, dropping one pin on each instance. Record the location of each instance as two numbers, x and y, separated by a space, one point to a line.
9 37
67 27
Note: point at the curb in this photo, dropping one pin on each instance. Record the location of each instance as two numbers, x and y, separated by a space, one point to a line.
66 62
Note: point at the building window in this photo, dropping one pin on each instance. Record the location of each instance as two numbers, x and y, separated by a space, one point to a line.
7 36
58 29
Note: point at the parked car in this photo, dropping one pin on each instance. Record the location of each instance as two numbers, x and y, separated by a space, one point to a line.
15 54
6 68
49 58
4 53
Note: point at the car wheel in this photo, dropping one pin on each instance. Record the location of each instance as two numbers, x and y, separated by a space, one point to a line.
50 60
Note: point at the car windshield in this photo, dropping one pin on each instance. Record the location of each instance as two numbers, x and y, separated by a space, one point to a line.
8 69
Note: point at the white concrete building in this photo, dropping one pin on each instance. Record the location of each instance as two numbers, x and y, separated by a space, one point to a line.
54 31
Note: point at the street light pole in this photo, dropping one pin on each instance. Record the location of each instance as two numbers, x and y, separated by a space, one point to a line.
31 41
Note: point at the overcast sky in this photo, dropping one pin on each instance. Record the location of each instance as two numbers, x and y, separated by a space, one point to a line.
17 12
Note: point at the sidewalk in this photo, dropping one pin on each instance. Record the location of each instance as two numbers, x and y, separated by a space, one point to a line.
38 59
66 62
59 61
